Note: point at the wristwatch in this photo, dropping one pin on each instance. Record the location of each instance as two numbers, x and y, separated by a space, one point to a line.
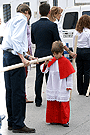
28 57
68 50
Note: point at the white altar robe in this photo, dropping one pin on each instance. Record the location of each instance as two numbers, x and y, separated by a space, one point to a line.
56 87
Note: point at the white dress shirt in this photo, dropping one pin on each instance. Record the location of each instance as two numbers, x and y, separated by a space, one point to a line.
15 35
60 31
83 38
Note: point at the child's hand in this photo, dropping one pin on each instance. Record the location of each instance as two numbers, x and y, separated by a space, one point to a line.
68 89
46 62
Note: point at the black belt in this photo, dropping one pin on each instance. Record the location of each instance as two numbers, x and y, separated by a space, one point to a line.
10 50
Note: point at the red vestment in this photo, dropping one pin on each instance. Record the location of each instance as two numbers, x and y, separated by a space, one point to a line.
59 112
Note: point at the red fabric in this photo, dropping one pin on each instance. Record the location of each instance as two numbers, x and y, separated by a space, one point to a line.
26 70
65 66
44 67
57 112
25 96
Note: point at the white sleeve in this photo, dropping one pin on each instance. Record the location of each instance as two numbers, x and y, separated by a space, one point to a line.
43 68
89 38
60 33
18 34
69 83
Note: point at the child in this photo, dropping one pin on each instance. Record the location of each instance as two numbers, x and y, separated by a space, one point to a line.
59 84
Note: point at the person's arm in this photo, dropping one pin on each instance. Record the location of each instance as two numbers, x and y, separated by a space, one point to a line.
69 82
20 31
60 32
29 57
70 52
25 61
19 36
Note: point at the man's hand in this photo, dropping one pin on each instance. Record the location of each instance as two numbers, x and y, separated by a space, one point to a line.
33 58
26 62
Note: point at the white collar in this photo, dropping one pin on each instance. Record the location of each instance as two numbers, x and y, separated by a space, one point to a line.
44 17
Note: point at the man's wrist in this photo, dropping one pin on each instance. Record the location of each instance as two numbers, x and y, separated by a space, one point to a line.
21 56
26 56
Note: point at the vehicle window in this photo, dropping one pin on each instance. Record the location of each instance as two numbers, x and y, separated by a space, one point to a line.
6 12
70 20
86 12
29 6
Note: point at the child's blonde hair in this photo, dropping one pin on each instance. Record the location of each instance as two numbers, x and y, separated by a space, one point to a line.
57 47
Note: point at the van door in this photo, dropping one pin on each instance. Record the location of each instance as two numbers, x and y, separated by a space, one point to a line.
68 23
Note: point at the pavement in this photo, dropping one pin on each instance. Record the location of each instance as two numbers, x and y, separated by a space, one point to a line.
35 116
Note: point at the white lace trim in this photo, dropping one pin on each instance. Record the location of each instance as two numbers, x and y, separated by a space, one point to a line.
53 95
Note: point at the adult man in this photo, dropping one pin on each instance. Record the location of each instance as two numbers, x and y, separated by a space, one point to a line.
43 34
15 45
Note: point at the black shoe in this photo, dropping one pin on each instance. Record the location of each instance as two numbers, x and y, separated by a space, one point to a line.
24 130
9 128
28 101
81 94
54 123
66 125
38 105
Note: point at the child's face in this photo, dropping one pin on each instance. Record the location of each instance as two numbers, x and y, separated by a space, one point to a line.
57 56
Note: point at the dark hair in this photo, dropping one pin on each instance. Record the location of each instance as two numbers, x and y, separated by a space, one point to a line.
22 8
83 22
44 9
57 47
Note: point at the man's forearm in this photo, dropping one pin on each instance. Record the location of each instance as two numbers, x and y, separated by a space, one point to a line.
21 56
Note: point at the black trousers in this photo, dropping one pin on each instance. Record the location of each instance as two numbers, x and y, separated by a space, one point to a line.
38 83
15 91
83 69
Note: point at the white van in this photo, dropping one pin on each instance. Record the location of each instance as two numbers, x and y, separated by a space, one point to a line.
69 19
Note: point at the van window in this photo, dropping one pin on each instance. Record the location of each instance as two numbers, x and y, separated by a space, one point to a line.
55 2
86 12
70 20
